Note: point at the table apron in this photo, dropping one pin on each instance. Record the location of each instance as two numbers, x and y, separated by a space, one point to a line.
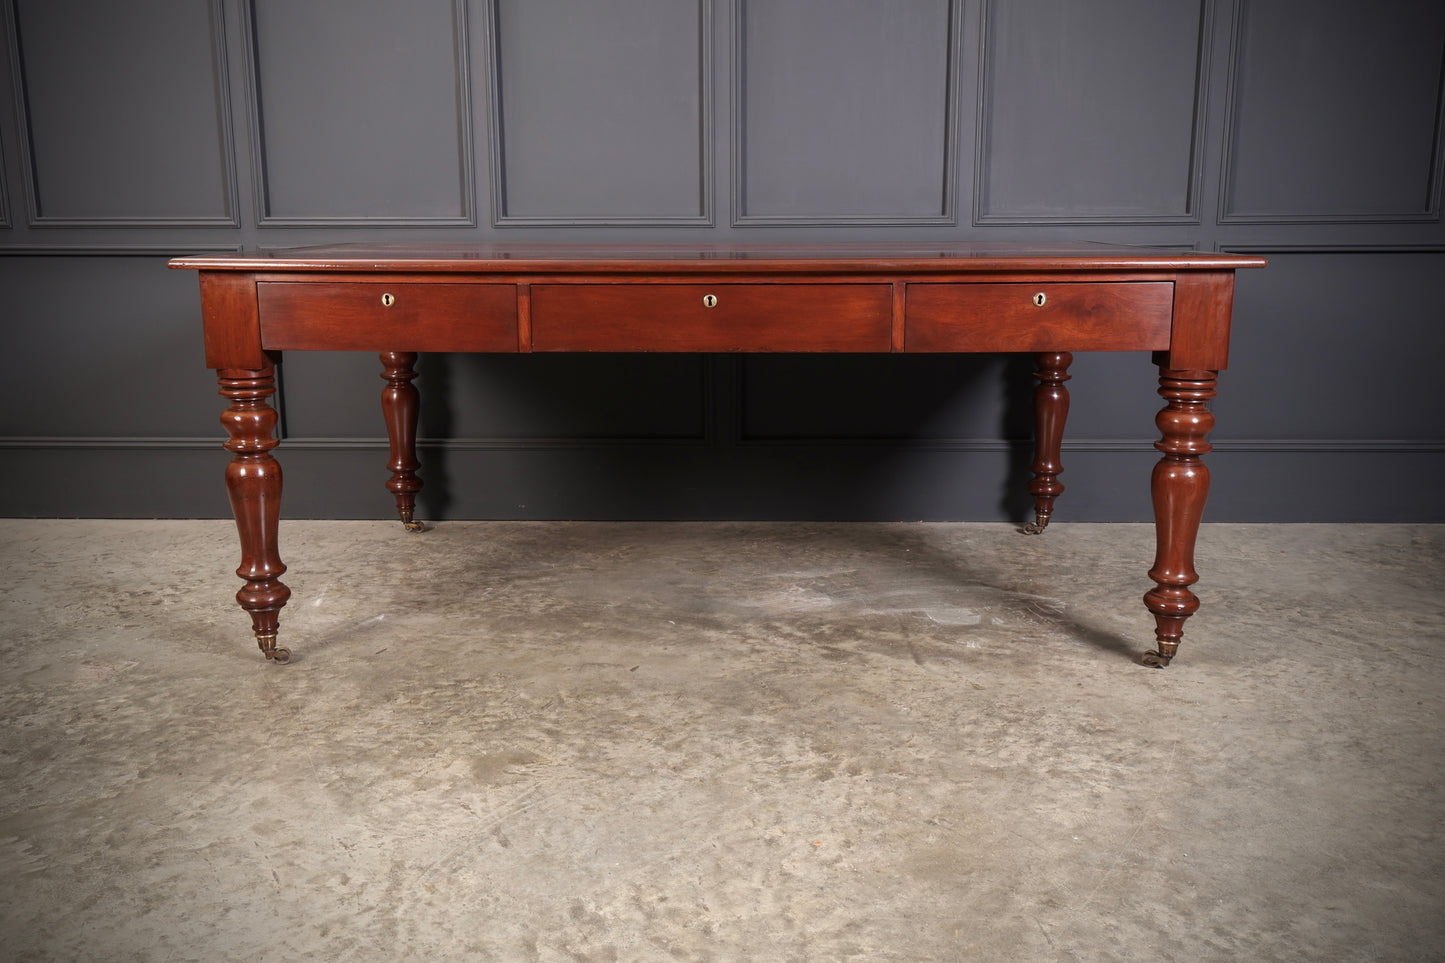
719 315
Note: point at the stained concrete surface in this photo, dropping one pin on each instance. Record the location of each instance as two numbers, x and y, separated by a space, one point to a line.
542 741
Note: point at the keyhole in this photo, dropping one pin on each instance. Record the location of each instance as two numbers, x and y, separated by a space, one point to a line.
709 300
1039 299
387 300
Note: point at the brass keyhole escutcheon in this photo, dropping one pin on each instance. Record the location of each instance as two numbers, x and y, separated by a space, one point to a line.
709 300
387 300
1040 298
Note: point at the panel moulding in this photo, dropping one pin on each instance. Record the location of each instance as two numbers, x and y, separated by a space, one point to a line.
114 250
497 127
1194 176
1342 248
1124 445
35 217
1435 180
465 138
4 191
948 199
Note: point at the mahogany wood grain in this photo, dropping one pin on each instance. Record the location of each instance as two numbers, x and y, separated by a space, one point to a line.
231 321
387 316
524 317
896 339
611 259
742 317
907 296
253 481
1051 411
400 409
1179 487
1203 304
1008 317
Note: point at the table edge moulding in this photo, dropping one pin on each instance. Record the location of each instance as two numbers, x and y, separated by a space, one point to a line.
401 299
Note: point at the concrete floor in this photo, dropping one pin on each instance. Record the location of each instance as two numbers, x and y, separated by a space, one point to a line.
508 741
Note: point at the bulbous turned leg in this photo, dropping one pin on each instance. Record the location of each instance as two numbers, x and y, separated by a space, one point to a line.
400 406
1180 486
1051 410
253 480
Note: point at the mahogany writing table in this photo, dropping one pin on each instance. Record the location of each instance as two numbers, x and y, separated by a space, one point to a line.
400 300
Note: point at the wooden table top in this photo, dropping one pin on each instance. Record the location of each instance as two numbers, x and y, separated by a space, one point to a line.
687 258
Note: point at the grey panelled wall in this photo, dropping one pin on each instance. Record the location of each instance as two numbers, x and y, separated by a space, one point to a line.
1311 132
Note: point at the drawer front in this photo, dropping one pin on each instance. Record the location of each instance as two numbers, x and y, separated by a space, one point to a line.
382 316
711 317
1108 316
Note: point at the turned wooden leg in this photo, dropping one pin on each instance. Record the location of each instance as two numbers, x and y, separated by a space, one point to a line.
253 479
400 406
1051 410
1179 486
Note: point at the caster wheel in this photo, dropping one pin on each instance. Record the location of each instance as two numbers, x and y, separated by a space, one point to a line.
1037 526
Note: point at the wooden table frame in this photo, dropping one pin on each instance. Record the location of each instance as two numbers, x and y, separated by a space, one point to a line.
398 300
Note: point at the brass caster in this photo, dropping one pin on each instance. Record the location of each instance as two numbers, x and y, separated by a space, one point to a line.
1037 526
1155 659
413 527
271 652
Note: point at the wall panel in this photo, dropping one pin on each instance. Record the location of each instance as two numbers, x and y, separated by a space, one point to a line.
601 112
1322 352
483 400
1092 113
957 400
361 112
113 349
844 112
124 113
1336 116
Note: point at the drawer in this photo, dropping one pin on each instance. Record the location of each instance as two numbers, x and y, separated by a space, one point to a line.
742 317
1107 316
385 316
